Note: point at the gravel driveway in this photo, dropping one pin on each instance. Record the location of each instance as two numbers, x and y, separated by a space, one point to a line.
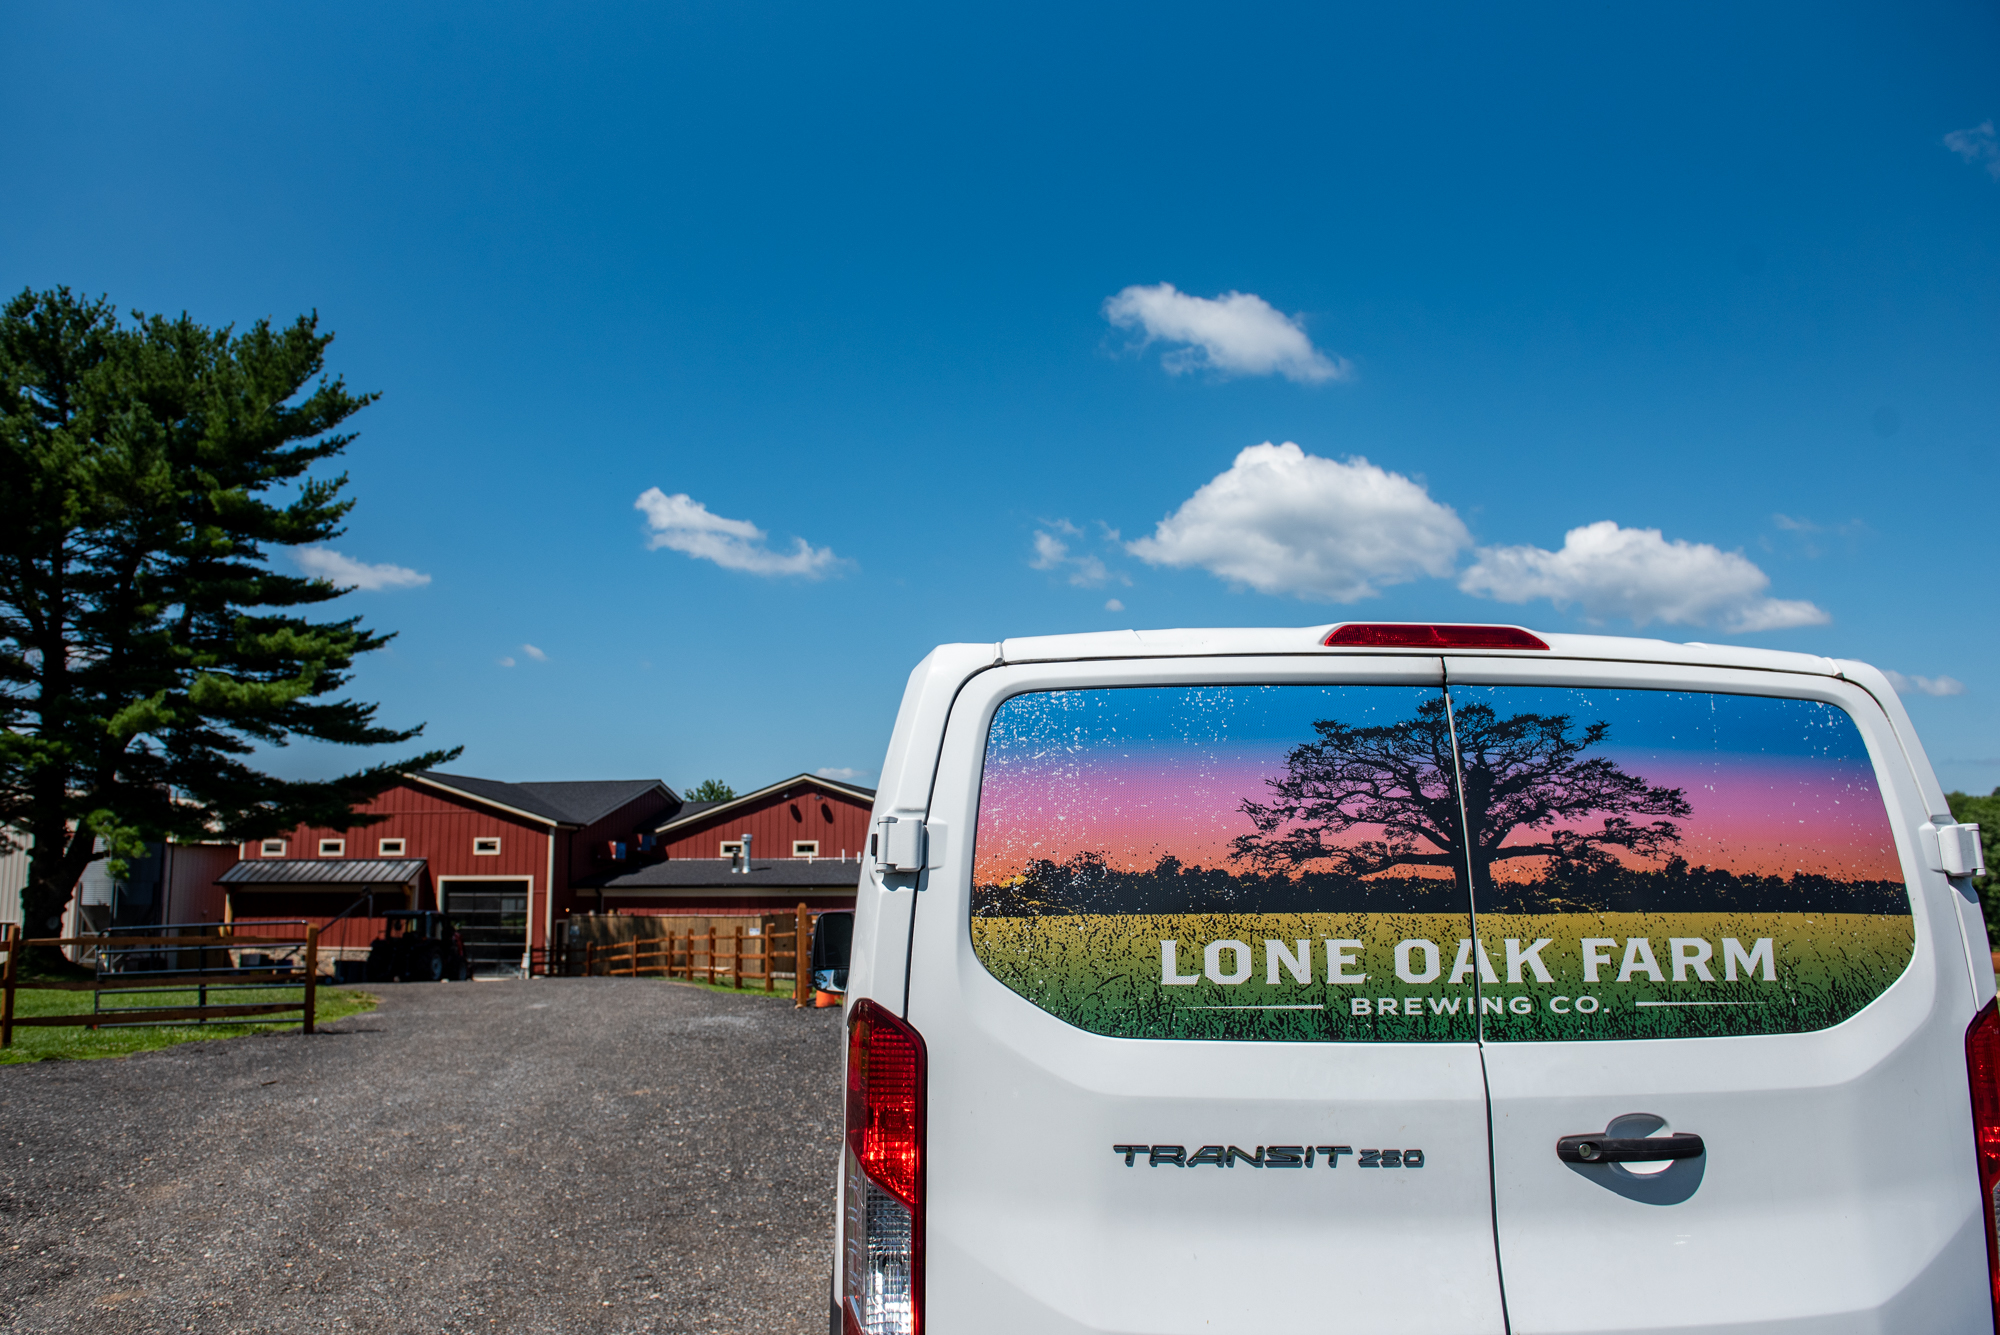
584 1154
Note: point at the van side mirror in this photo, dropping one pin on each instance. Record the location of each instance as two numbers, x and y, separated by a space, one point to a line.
832 946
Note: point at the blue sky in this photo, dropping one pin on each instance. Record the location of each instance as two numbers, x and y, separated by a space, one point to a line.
888 281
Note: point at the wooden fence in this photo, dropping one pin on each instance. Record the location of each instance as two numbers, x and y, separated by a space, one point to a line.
200 980
713 955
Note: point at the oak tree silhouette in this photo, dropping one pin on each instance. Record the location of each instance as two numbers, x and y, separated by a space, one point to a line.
1523 772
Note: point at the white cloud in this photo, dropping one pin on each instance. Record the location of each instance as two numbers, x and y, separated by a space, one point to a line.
1924 685
1050 551
504 662
1113 605
1086 569
1610 571
1977 145
1284 521
685 525
534 653
1793 524
842 774
1807 535
1237 333
325 563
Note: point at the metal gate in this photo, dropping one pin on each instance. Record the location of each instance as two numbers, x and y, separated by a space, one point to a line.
492 916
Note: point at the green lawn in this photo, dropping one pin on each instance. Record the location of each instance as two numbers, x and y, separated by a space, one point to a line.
38 1044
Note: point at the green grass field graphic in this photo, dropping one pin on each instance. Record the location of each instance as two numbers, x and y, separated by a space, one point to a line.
1106 974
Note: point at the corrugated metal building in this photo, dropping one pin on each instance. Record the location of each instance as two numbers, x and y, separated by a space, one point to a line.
13 876
171 882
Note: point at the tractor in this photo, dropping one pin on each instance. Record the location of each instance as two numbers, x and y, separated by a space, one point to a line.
417 946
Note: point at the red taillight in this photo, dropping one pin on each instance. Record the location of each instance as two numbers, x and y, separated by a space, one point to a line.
885 1099
883 1191
1404 635
1982 1069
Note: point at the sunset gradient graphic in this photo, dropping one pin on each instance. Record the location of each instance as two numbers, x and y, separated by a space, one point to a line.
1135 774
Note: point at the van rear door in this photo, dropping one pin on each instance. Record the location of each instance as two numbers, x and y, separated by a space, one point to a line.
1200 1028
1711 881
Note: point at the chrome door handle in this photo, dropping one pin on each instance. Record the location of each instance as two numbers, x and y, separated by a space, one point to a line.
1629 1149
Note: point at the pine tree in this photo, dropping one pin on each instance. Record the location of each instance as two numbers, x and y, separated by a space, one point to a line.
146 645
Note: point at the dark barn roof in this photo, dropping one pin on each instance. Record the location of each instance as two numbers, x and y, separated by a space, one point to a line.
579 803
585 803
323 871
714 874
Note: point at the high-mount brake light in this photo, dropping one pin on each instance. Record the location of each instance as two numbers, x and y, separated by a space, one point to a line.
1405 635
882 1195
1982 1069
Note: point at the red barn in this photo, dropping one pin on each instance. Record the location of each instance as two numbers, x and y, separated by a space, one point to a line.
502 858
805 839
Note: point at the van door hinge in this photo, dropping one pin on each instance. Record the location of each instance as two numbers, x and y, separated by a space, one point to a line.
1955 850
900 843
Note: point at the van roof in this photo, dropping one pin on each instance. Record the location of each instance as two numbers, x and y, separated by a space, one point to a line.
909 769
1197 643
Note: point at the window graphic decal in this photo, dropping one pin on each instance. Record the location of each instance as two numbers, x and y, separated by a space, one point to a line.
1304 863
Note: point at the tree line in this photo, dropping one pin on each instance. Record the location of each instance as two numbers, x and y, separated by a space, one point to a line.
1086 883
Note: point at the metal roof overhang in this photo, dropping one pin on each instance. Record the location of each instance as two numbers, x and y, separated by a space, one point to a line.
272 873
830 875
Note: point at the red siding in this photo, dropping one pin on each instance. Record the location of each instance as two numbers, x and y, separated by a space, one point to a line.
582 852
440 827
838 822
440 831
435 826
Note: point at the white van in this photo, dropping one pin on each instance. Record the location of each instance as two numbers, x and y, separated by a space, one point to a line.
1410 978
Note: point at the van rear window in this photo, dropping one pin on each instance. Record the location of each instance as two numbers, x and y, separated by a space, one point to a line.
1393 863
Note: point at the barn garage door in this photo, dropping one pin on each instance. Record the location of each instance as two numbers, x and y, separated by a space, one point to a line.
492 916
